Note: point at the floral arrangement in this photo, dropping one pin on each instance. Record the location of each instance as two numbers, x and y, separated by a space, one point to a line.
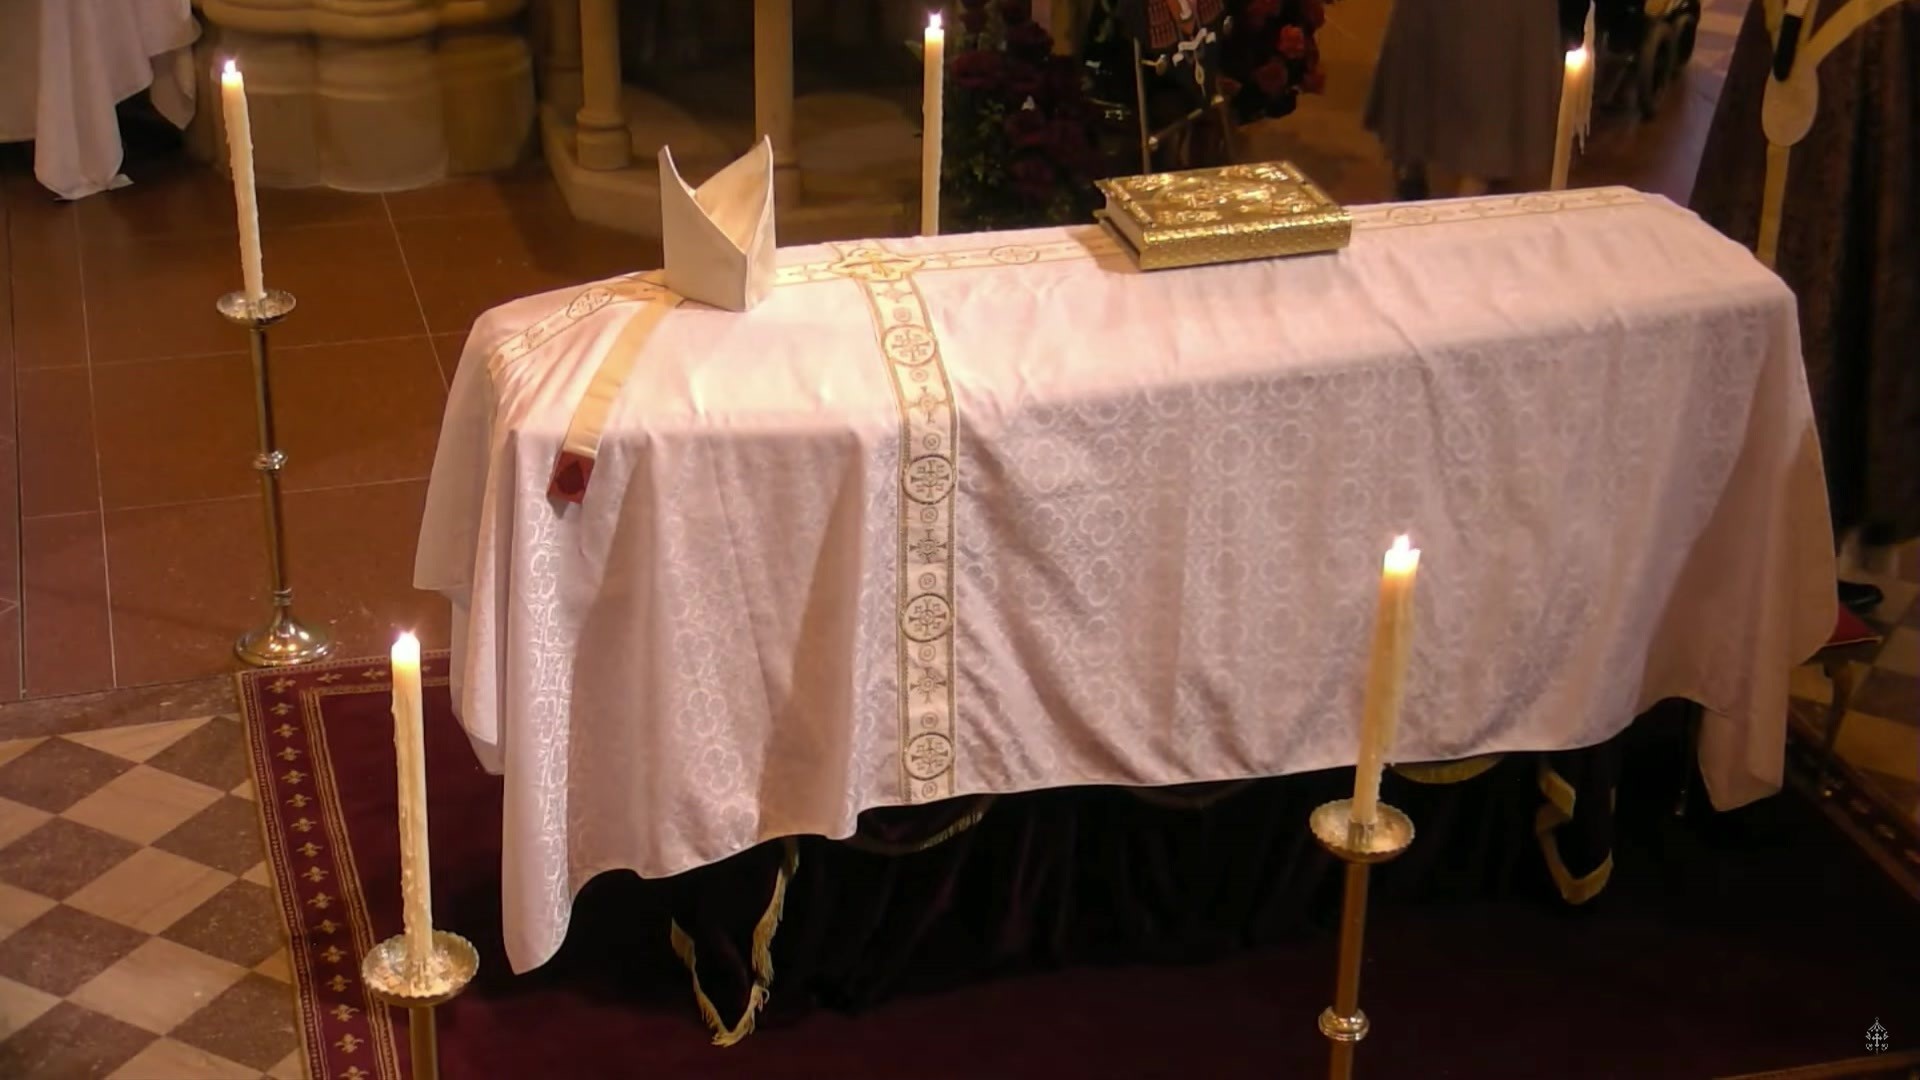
1021 147
1270 57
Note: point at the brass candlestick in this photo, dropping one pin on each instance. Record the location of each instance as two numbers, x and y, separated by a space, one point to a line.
283 641
453 965
1359 846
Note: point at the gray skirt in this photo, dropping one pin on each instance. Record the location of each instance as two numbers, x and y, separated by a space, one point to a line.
1471 86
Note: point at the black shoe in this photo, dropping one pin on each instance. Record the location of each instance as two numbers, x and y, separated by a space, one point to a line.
1859 597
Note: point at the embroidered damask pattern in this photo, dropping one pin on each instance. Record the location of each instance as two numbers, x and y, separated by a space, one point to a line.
925 580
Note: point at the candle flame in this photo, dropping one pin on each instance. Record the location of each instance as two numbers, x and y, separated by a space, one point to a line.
406 648
1403 557
933 21
231 71
1577 57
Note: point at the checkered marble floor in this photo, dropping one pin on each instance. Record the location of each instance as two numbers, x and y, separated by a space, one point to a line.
1880 735
138 934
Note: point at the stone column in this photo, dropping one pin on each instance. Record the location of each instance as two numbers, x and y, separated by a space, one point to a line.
601 140
773 92
563 88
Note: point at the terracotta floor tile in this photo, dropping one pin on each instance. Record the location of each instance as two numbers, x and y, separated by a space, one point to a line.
166 1059
240 924
526 191
250 1024
67 646
56 774
214 755
99 710
60 857
157 985
49 325
10 654
138 742
57 468
183 430
69 1041
155 297
21 1005
142 804
18 907
9 507
226 836
151 890
1889 694
178 195
59 951
464 265
17 819
188 579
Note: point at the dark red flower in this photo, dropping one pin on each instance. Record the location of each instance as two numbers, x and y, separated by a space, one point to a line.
1314 12
1273 78
1292 42
1026 129
1314 81
1229 87
1022 80
1029 41
976 69
1033 178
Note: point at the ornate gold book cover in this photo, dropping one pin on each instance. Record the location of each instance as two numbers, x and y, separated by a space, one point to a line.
1221 215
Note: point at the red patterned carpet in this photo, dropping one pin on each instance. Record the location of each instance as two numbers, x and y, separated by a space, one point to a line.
1725 944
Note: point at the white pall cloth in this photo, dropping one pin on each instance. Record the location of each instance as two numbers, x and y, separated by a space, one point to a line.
1154 556
65 64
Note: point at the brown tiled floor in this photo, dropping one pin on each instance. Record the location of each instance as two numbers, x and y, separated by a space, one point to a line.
137 554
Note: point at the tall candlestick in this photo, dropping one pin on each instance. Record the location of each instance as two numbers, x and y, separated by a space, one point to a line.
1576 106
411 761
1386 674
933 109
233 102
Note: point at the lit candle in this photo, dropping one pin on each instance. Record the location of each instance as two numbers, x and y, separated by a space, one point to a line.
233 102
1386 674
410 756
933 109
1576 105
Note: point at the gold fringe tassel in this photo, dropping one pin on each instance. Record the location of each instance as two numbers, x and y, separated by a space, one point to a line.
763 933
889 848
1557 811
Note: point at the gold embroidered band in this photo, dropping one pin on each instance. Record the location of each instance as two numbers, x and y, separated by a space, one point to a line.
928 474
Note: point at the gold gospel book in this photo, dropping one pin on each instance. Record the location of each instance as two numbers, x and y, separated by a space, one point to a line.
1228 214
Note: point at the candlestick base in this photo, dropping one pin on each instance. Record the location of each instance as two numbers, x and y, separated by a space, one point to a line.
1359 847
391 981
258 314
283 642
1333 826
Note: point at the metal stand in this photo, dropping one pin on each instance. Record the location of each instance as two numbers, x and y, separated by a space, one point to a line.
1359 847
283 641
453 966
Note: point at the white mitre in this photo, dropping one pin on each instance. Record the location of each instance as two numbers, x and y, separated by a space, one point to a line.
719 240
